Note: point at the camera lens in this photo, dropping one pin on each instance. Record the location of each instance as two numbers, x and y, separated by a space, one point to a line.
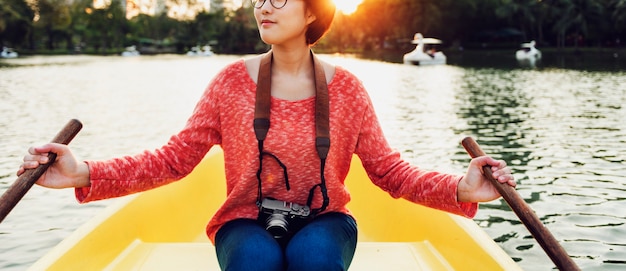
276 224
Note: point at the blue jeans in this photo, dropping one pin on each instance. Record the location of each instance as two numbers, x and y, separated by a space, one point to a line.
327 242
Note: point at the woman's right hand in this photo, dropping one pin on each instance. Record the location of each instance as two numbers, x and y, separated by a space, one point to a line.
65 172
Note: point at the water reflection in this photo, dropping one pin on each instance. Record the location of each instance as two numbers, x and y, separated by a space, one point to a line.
562 130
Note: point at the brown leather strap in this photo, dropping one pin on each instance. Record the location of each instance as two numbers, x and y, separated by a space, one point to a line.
263 97
263 100
322 128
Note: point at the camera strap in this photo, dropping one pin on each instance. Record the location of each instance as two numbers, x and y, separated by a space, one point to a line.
262 124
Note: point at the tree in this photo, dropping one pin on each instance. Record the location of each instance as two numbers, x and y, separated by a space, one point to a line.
106 27
16 18
384 21
619 10
201 31
576 15
619 14
239 34
77 30
54 18
519 12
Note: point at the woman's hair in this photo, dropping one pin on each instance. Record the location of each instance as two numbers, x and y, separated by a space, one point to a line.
324 11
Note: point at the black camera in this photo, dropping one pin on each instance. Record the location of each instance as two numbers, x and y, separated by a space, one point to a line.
280 217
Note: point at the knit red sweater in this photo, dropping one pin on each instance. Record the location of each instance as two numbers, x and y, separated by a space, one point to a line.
224 117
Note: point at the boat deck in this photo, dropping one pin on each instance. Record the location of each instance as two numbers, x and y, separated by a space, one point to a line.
164 229
201 256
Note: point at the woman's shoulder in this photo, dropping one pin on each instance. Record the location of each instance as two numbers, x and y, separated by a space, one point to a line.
329 70
252 65
346 82
234 68
231 80
233 73
345 76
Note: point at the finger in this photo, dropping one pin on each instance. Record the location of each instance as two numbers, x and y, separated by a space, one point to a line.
43 160
507 179
43 151
47 148
40 159
489 161
30 164
502 175
497 164
502 171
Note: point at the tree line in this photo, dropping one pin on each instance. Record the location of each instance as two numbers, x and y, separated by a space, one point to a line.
485 23
66 26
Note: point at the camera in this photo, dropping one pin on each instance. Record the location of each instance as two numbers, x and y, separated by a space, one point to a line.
280 216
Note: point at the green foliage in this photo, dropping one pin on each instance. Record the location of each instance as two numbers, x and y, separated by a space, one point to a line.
53 20
551 22
239 33
377 24
15 22
105 28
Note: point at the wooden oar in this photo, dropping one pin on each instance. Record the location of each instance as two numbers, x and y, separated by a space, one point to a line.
24 182
547 241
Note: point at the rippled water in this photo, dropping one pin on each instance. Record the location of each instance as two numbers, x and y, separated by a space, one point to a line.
563 132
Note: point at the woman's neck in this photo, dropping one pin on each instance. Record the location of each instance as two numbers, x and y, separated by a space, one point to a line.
292 73
292 61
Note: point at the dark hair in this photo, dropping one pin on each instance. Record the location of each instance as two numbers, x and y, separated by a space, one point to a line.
324 11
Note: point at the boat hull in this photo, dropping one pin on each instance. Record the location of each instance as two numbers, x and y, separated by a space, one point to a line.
420 58
8 53
164 229
528 55
528 52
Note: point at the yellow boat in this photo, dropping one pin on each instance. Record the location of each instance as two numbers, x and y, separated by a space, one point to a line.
164 229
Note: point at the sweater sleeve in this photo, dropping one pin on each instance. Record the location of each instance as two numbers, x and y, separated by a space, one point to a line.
150 169
400 179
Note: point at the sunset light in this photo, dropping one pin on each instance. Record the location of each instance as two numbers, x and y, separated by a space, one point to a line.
347 6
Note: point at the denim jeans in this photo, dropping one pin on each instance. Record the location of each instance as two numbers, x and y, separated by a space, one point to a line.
327 242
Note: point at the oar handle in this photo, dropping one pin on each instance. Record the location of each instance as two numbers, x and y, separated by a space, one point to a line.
547 241
24 182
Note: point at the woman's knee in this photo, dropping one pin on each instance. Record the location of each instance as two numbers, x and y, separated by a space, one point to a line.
244 245
327 243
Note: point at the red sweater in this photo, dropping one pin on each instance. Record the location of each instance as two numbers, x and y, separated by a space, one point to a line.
224 117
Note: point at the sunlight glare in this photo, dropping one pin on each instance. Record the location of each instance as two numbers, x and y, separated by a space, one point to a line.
236 3
347 7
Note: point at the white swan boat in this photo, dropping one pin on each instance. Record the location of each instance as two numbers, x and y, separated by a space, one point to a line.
8 53
200 51
131 51
528 52
425 52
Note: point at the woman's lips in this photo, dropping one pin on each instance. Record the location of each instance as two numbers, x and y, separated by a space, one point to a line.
267 22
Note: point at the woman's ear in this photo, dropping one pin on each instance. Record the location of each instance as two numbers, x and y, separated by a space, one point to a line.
310 17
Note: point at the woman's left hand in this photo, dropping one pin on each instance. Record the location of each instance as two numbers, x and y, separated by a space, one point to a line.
475 187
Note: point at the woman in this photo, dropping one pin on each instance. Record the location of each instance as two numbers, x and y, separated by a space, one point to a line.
282 167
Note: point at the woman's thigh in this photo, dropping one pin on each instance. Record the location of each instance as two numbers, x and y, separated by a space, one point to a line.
328 242
244 245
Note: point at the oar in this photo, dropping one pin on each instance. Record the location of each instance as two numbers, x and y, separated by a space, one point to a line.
24 182
547 241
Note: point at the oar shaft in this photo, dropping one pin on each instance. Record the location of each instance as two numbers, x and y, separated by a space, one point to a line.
547 241
24 182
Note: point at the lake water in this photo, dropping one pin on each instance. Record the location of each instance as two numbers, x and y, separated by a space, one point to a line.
562 130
